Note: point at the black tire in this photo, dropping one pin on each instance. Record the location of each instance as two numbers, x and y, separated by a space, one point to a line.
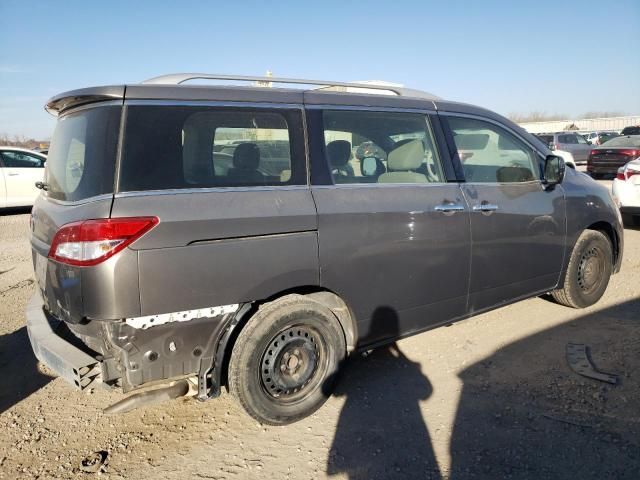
588 273
285 360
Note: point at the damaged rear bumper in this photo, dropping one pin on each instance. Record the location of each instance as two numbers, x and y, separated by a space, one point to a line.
74 365
134 353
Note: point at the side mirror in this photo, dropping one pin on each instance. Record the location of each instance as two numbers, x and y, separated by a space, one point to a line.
369 166
552 146
554 168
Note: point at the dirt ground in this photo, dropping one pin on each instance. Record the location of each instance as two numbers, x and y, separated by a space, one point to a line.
490 397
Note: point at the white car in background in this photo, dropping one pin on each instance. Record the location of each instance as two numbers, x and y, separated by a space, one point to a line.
20 169
567 157
626 192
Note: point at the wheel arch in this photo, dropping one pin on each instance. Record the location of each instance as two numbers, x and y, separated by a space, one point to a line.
607 229
323 296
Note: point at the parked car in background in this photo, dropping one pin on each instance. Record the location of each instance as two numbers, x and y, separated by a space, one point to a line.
598 138
631 130
569 142
626 192
610 156
20 169
567 157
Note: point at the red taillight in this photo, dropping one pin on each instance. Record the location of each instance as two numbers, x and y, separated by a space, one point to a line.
93 241
629 152
620 176
594 152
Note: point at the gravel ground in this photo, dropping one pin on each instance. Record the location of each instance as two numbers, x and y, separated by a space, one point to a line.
490 397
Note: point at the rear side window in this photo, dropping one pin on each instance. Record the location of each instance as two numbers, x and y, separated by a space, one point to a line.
169 147
82 156
568 139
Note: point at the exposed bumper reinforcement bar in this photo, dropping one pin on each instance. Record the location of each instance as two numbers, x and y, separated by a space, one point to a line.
75 366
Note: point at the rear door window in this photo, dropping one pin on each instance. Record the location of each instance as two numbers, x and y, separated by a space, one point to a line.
82 156
170 147
380 147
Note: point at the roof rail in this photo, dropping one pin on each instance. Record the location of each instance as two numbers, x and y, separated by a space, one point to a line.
178 78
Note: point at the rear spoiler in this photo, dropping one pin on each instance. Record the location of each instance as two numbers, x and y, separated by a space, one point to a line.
74 98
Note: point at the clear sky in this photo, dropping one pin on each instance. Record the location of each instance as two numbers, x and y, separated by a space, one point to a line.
510 56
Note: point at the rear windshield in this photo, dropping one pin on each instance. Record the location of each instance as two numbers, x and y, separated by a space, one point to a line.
82 155
183 147
631 141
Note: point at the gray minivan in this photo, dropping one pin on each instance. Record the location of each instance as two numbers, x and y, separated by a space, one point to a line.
190 238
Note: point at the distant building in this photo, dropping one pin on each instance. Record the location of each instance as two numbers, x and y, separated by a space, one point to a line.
582 125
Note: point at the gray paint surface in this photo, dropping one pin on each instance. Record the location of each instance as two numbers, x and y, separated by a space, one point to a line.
385 247
382 248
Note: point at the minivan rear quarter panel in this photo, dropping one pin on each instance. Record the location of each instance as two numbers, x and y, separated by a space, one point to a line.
219 248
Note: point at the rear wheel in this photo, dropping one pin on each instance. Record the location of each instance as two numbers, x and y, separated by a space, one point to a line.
284 362
588 272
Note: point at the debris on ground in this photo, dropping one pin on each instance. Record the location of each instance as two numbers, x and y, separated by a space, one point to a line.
95 462
579 359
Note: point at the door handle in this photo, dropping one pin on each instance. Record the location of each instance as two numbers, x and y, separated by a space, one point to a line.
485 207
12 174
449 208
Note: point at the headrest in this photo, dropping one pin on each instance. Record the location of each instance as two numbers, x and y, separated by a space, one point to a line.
339 152
406 157
246 156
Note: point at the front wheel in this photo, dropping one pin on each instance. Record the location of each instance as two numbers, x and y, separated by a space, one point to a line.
588 272
285 360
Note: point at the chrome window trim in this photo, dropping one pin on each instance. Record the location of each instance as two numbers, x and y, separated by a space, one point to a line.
383 185
96 198
179 191
212 103
369 108
495 122
87 106
538 181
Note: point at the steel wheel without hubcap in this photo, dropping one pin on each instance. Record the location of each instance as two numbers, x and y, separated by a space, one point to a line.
590 269
293 364
285 360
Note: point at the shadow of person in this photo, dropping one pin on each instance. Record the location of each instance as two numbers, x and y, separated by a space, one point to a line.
524 414
19 375
381 432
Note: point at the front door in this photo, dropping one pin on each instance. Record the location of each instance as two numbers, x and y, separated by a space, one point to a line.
518 225
393 234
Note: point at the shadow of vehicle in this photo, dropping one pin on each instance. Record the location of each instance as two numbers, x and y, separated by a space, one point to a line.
381 432
523 413
19 375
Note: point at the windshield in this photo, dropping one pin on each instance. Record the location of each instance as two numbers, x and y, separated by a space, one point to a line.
81 160
631 141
